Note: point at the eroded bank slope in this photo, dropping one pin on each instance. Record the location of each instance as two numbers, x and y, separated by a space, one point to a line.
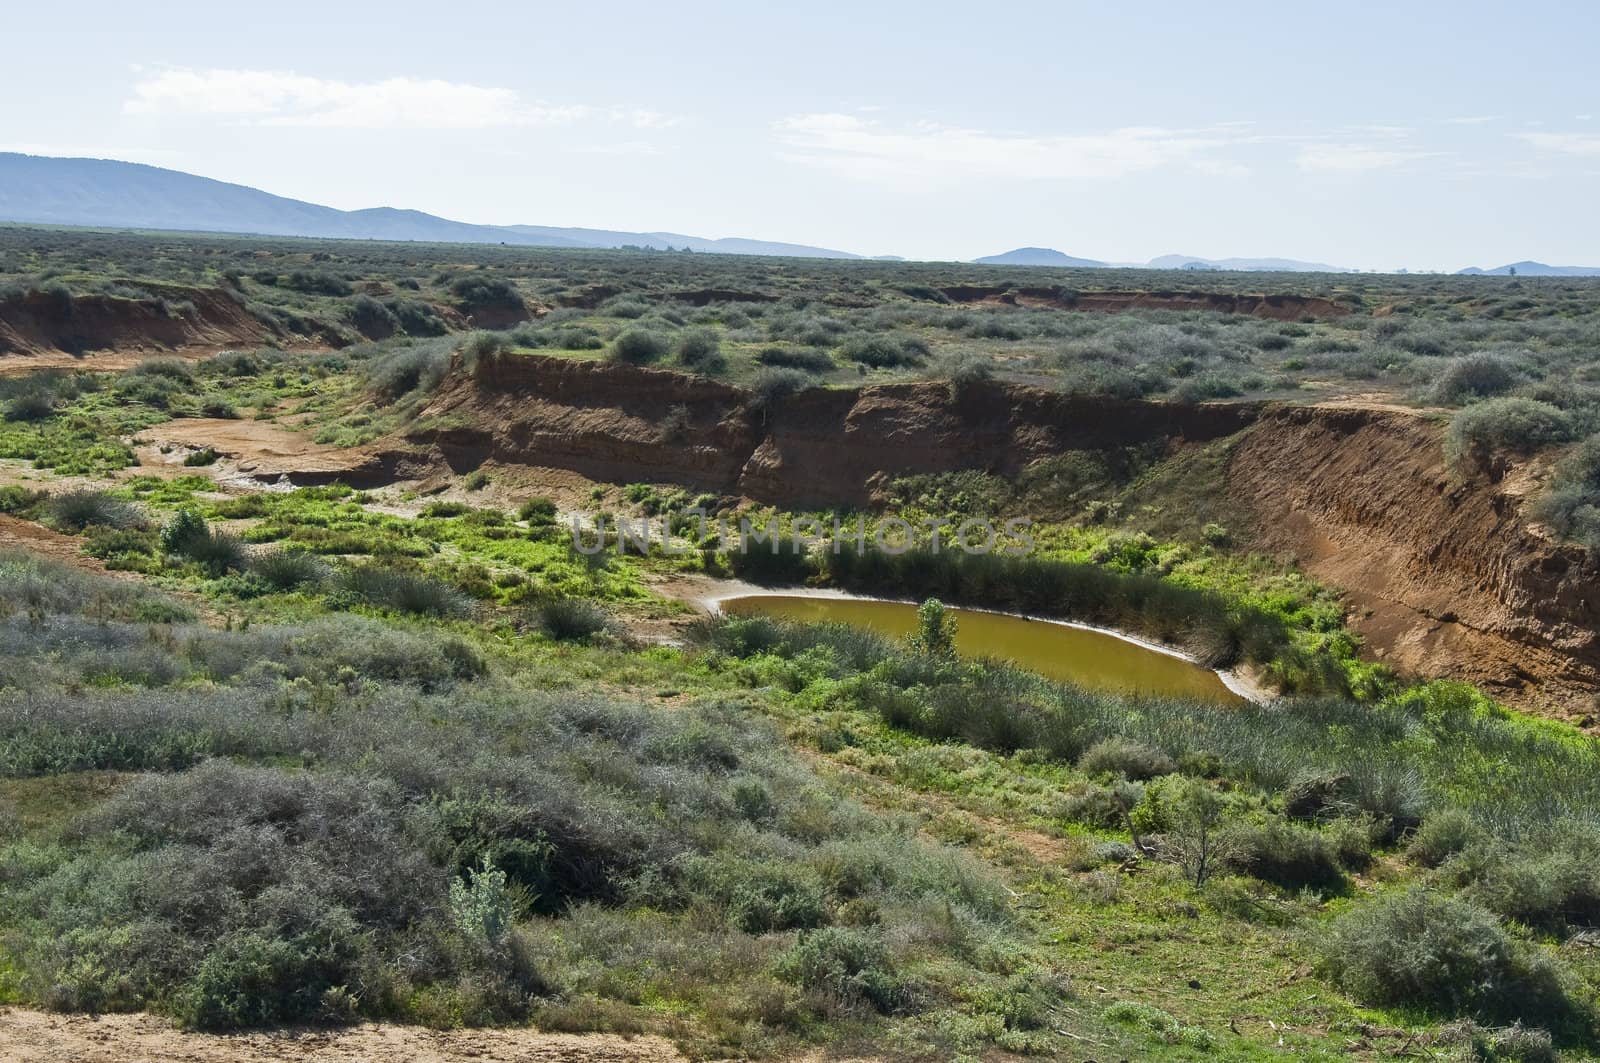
1444 571
1446 574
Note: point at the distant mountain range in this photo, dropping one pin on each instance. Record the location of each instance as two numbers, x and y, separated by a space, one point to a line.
1038 256
123 195
1531 269
1274 265
1045 256
128 195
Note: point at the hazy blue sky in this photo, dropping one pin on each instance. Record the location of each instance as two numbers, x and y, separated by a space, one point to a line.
1423 135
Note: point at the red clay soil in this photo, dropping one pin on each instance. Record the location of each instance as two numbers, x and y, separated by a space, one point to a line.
262 449
1445 577
834 446
35 538
43 321
1444 574
94 361
28 1036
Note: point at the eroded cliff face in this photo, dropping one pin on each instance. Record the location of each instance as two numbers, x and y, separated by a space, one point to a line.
1445 575
819 447
606 422
38 321
1445 572
843 446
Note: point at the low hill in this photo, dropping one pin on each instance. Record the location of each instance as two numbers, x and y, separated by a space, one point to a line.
1531 269
103 192
1272 265
677 242
1037 256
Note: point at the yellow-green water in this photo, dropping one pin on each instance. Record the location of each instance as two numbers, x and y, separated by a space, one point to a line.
1089 659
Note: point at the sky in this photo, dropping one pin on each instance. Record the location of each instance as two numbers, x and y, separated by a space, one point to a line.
1420 135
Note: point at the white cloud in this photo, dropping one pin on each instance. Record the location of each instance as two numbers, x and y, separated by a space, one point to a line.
1586 145
867 148
1351 157
284 98
91 150
1472 119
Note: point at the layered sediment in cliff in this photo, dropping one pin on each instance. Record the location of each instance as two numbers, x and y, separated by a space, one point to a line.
1445 574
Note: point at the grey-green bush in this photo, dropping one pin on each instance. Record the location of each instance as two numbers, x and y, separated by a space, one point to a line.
1515 424
639 347
77 510
1418 949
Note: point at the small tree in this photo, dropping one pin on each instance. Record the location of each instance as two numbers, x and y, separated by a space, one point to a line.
481 904
1197 842
183 531
936 630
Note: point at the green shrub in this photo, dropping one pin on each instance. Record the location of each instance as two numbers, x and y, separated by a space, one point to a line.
936 630
1516 424
185 528
371 318
315 282
961 370
1288 854
1418 949
287 570
639 347
1125 757
476 291
1511 1044
884 352
572 619
17 499
1477 376
1572 505
847 966
539 512
30 406
1206 387
1550 881
480 903
1443 834
77 510
251 979
218 552
808 361
772 386
1158 1023
1322 795
187 535
769 899
701 351
411 367
785 563
403 591
170 368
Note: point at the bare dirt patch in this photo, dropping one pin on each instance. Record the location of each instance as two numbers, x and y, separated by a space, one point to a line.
94 362
36 539
260 449
28 1036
